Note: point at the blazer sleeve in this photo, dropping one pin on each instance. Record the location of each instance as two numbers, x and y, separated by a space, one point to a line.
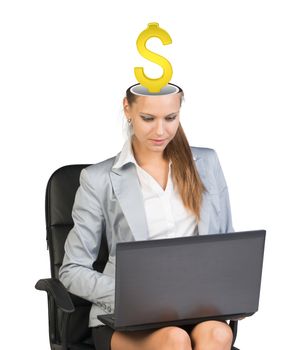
225 210
82 247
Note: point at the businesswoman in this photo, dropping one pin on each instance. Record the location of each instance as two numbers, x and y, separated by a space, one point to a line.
156 187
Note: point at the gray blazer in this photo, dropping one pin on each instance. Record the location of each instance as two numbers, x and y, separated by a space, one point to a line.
109 201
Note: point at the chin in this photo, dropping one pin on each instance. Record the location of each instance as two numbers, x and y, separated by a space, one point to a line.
158 148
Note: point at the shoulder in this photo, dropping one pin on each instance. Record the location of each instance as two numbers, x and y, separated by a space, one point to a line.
96 172
207 156
101 167
202 152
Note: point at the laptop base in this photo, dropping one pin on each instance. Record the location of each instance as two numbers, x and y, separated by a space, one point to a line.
109 320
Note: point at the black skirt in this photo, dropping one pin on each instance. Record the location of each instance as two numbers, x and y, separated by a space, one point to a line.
102 336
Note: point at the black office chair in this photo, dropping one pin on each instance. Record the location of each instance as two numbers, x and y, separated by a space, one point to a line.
68 314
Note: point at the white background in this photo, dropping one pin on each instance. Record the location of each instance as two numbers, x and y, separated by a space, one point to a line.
65 66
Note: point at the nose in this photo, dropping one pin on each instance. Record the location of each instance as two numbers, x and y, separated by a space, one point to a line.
159 128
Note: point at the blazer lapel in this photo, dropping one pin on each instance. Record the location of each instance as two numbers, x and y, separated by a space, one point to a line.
127 189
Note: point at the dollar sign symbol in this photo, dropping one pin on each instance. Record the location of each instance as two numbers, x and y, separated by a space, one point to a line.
153 85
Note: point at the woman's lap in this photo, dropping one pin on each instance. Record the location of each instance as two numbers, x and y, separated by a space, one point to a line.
102 335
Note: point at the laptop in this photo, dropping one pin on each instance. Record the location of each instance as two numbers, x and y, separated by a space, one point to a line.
186 280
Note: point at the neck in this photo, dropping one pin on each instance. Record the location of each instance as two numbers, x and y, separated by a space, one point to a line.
145 157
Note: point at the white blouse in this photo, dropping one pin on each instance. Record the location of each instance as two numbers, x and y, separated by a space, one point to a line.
165 213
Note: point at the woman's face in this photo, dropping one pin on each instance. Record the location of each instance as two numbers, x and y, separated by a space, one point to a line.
154 118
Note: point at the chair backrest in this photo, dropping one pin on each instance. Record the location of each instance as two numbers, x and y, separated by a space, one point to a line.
60 194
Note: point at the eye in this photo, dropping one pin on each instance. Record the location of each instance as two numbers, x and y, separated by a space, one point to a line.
147 119
171 118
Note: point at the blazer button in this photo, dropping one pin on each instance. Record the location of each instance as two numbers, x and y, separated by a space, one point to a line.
109 309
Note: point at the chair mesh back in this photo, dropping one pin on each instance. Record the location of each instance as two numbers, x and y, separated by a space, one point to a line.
60 194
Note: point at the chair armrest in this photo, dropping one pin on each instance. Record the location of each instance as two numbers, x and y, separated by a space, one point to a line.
58 291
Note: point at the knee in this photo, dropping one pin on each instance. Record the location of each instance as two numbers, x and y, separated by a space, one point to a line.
176 338
222 334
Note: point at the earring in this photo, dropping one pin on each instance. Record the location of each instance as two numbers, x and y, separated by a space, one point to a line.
129 121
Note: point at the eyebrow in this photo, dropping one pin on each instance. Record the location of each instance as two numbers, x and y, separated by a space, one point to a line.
151 115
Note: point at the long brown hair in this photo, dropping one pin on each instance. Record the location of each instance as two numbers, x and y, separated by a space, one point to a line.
185 176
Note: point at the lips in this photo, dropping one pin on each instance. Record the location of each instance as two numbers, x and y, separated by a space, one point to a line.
158 142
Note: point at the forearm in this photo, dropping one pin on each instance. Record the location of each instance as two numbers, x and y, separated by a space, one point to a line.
86 283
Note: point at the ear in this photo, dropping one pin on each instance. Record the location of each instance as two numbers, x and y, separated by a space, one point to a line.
126 107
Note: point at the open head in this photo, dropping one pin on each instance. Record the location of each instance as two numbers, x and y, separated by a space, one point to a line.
154 118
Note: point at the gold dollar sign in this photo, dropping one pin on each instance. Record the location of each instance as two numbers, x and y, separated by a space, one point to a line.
153 85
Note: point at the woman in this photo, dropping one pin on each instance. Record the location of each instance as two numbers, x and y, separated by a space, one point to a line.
156 187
